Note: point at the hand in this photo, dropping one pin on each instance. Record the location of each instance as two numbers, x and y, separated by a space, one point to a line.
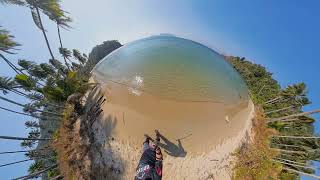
158 154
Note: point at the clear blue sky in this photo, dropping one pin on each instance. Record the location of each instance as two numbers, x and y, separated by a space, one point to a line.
281 35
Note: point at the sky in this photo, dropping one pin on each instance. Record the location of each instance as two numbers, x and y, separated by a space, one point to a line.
282 35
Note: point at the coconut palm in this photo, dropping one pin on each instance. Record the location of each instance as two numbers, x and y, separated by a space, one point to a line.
23 151
9 110
38 116
23 138
279 110
29 108
37 173
295 115
62 21
34 7
7 44
295 164
50 8
302 173
295 92
57 177
8 164
37 19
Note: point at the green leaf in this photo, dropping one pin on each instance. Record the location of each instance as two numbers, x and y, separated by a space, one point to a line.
25 81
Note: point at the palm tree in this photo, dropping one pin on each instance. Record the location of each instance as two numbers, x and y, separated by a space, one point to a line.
287 145
303 173
35 174
6 109
295 115
63 21
31 115
6 46
29 108
57 177
37 19
278 110
289 151
294 162
300 119
22 151
294 165
23 138
8 164
299 137
50 8
296 92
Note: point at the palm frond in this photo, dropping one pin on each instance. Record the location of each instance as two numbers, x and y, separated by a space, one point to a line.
13 2
35 18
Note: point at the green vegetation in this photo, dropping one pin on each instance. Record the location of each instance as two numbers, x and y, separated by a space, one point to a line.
296 140
284 144
48 87
256 158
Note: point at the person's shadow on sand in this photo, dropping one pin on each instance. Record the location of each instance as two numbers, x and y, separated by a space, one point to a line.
170 148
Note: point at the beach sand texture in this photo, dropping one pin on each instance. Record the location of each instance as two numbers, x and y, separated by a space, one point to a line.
196 146
185 90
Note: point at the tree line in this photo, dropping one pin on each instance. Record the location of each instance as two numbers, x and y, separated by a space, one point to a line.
46 86
296 140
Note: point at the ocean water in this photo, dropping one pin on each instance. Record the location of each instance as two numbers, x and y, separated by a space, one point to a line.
173 68
184 89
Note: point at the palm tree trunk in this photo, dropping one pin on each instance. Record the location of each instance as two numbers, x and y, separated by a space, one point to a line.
278 110
289 151
12 152
57 177
38 117
36 173
280 159
296 115
299 137
26 96
18 112
296 165
284 120
303 173
44 32
15 68
33 150
272 100
49 113
287 145
10 101
261 89
61 46
22 138
37 110
279 100
8 164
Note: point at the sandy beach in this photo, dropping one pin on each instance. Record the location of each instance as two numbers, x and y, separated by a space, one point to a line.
198 137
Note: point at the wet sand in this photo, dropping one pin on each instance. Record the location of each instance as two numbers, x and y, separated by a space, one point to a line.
198 137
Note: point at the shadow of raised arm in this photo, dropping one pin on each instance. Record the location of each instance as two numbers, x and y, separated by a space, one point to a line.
172 149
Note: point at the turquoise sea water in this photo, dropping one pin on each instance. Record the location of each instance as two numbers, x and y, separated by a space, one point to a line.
173 68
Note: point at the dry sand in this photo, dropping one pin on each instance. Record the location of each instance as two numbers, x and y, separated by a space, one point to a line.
200 135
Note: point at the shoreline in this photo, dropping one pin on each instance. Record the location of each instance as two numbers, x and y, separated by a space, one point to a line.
122 156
